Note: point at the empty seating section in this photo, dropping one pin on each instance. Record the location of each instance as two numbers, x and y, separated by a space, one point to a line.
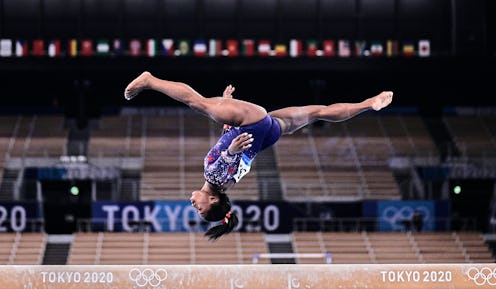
48 138
7 138
408 136
22 248
115 136
344 247
240 248
164 248
163 172
474 136
332 161
38 136
85 248
373 149
308 243
338 162
394 247
474 247
122 248
298 167
170 248
350 160
439 248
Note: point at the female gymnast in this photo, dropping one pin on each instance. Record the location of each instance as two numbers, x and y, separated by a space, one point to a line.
249 129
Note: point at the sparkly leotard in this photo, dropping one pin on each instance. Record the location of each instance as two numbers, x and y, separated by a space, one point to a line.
221 168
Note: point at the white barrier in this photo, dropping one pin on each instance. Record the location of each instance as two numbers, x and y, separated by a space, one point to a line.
280 276
326 256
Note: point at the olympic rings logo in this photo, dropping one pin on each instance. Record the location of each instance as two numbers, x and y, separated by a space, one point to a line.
393 215
482 276
147 277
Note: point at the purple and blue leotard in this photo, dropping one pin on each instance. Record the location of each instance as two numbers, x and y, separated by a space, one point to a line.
220 167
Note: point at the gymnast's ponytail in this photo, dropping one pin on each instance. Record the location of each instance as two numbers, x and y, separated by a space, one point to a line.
221 211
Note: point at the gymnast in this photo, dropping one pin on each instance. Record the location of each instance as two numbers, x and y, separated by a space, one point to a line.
248 130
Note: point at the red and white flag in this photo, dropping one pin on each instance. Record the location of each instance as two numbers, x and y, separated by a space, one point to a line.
54 48
424 48
87 47
328 48
264 48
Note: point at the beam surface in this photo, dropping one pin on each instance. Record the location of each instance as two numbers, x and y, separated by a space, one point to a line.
280 276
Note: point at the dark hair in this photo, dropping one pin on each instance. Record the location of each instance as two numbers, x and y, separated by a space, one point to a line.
221 211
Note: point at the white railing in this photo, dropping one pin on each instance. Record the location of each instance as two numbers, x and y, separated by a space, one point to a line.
326 256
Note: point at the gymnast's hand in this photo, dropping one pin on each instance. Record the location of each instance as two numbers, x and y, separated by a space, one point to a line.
240 143
228 91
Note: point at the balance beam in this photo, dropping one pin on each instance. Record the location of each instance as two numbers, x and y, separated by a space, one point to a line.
250 276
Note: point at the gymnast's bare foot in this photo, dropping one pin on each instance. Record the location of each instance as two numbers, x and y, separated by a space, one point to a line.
382 100
137 85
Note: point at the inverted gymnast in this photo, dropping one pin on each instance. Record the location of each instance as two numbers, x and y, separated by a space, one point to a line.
249 129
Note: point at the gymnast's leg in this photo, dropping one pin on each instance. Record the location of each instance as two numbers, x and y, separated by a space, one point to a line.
294 118
221 109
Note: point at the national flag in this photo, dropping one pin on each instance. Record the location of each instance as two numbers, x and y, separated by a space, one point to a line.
54 48
167 47
376 48
5 47
102 47
200 48
328 48
72 47
408 49
183 48
391 48
280 50
117 47
248 47
295 47
135 47
21 48
87 47
311 48
214 47
232 46
424 48
361 48
151 47
264 48
38 47
344 48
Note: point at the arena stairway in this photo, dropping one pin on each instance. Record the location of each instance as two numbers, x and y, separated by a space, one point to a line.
280 243
268 176
57 249
7 184
441 137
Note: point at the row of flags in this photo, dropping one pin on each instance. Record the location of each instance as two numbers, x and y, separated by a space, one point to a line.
213 48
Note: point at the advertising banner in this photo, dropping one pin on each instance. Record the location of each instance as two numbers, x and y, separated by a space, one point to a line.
399 215
180 216
19 216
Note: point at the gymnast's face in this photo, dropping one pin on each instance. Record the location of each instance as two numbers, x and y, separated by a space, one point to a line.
202 201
